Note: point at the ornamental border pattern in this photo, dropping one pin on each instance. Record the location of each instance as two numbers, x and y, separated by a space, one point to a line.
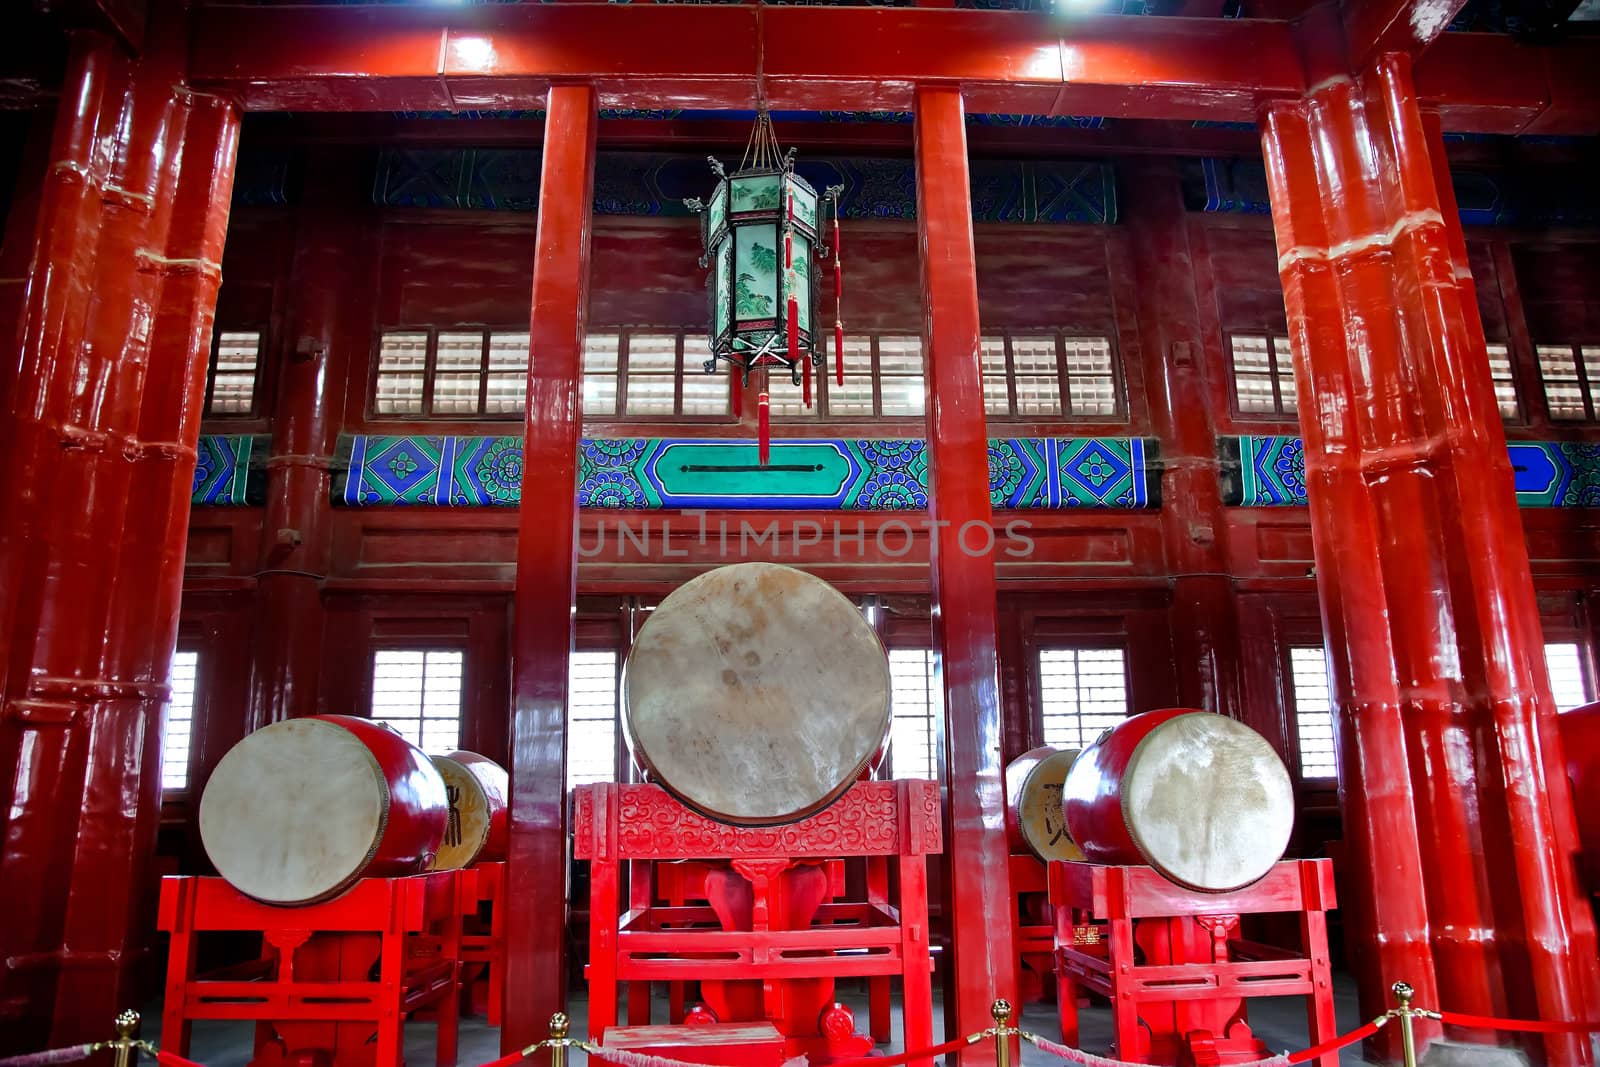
886 474
1269 471
230 470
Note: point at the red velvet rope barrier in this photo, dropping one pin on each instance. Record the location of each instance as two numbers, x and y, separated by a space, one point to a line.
172 1059
1532 1026
508 1059
48 1057
904 1057
1360 1033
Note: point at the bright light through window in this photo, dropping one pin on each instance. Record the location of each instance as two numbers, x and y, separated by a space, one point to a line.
591 718
1567 683
913 733
1313 712
178 728
1082 693
417 692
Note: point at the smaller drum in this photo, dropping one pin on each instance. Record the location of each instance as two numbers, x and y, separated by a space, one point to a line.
299 810
1200 797
477 788
1033 803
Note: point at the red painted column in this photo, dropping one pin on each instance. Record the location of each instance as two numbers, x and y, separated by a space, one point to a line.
547 576
121 288
333 279
1415 522
1205 620
963 579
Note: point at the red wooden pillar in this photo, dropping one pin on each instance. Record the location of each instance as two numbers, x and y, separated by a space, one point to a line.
98 443
964 610
1456 807
546 584
1205 622
333 280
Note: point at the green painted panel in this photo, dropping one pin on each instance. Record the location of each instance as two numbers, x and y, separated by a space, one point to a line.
800 469
805 204
759 193
756 272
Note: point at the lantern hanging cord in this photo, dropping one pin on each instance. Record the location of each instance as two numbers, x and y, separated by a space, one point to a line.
761 151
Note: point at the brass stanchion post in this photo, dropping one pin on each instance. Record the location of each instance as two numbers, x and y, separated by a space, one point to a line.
1001 1010
127 1033
558 1039
1408 1044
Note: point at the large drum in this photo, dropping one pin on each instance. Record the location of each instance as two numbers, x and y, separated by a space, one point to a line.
299 810
756 694
1580 743
477 788
1203 799
1033 803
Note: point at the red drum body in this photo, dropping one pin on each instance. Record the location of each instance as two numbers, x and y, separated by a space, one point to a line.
1580 742
756 694
477 788
1034 820
299 810
1200 797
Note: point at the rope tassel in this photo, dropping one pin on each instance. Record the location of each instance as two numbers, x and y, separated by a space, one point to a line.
763 428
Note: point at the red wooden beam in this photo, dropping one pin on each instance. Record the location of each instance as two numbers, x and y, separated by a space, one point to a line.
650 56
1488 83
1372 27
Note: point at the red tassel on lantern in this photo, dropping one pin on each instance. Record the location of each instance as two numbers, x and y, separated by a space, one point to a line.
838 301
794 330
788 237
838 353
805 381
763 428
736 394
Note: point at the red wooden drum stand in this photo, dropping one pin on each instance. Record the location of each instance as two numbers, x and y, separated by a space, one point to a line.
1035 936
336 980
771 940
483 944
1185 1002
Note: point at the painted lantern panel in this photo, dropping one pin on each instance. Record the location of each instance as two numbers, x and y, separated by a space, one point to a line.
805 205
717 211
721 281
755 276
798 282
757 192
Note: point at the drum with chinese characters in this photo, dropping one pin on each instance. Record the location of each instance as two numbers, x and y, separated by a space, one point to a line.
756 694
1033 804
477 788
299 810
1202 798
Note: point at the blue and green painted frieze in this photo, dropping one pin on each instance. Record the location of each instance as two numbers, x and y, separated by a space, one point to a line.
889 474
1270 471
230 469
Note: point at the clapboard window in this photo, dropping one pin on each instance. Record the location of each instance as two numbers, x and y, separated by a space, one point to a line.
1082 693
913 731
235 370
591 718
1569 373
177 729
1049 375
1263 374
883 377
417 693
646 373
1505 383
1313 711
453 373
1569 682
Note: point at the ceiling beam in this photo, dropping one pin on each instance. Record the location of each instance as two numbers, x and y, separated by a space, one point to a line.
497 57
1373 27
504 57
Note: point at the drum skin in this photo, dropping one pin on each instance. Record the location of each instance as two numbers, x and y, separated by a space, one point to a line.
477 788
299 810
1580 743
1203 799
756 694
1034 820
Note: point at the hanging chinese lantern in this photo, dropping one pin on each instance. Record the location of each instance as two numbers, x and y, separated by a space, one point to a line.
761 230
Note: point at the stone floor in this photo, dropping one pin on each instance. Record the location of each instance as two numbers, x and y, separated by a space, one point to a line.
1281 1023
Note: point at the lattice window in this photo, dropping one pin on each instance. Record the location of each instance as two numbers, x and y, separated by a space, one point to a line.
1082 693
1313 711
591 718
1263 374
882 377
235 369
417 692
901 389
1569 373
1046 375
914 730
1505 382
601 363
1569 683
467 373
177 729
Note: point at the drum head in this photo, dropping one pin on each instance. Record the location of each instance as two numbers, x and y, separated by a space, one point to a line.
1039 814
756 694
468 828
294 812
1208 802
